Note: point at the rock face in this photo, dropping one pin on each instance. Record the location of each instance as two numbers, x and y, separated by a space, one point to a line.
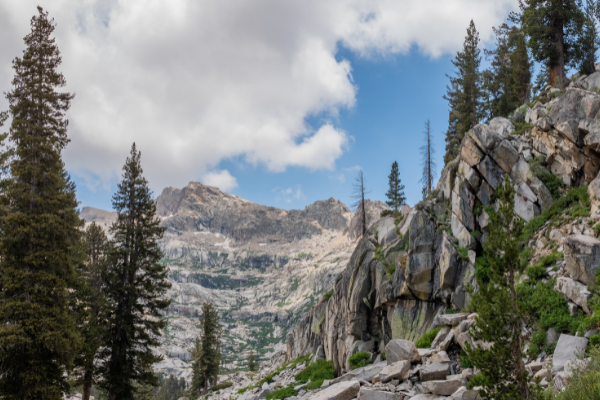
582 256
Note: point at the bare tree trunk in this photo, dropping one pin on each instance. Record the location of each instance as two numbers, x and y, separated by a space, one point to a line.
87 384
558 70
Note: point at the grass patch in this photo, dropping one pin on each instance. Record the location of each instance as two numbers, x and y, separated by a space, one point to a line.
317 372
359 360
269 378
465 361
282 393
538 271
463 252
327 295
425 341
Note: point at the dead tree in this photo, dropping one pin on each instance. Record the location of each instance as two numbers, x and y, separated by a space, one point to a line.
358 194
429 165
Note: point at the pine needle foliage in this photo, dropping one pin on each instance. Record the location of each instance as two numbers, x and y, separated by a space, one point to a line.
588 44
502 371
40 228
135 286
207 353
395 194
464 93
251 359
553 28
93 306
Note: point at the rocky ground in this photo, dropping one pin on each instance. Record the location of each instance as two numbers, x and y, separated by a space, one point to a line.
262 267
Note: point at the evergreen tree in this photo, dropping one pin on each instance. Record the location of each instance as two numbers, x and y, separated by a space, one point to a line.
553 27
252 366
587 46
135 285
502 370
429 165
94 302
358 194
395 193
207 353
465 92
40 228
453 140
508 81
170 388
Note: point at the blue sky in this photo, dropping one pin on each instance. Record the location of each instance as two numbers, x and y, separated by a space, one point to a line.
277 102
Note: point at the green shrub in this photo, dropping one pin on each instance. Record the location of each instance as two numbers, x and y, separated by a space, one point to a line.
328 295
521 127
317 372
465 361
359 360
463 252
536 272
595 340
385 213
282 393
584 383
425 341
482 269
220 386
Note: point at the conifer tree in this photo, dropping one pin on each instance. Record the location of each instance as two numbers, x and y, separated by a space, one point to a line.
588 44
94 306
135 285
521 67
40 228
452 139
207 353
252 367
465 95
502 370
428 163
553 27
395 193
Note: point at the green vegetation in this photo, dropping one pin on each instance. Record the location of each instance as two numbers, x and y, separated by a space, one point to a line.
282 393
223 281
170 388
359 360
537 271
206 355
425 341
465 361
576 197
552 182
317 372
220 386
304 255
521 128
282 304
269 378
251 361
328 295
463 252
584 383
295 285
395 194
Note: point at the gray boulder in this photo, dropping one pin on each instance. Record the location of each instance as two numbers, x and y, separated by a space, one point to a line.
582 256
370 394
440 357
505 155
502 126
462 203
398 370
452 319
340 391
461 233
575 291
400 350
594 192
470 152
443 388
567 349
484 136
534 114
491 172
525 208
433 372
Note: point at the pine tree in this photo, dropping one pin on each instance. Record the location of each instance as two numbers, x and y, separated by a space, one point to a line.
502 370
207 353
465 92
40 228
521 67
588 44
453 139
395 193
429 164
553 27
252 367
135 285
358 194
94 302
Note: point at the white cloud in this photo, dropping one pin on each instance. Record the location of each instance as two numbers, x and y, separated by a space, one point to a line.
289 194
221 179
196 82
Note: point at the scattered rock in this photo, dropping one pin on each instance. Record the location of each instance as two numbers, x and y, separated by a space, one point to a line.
443 388
432 372
575 291
339 391
582 256
397 370
369 394
566 350
400 350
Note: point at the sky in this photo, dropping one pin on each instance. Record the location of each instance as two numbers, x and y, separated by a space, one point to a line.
278 102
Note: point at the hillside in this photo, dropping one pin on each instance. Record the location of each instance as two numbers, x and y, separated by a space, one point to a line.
263 267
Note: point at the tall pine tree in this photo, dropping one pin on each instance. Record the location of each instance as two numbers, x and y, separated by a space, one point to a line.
502 371
395 193
94 306
135 285
40 228
207 354
553 27
588 44
465 92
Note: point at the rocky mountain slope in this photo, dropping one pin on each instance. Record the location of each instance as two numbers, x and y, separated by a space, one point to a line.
263 267
405 273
